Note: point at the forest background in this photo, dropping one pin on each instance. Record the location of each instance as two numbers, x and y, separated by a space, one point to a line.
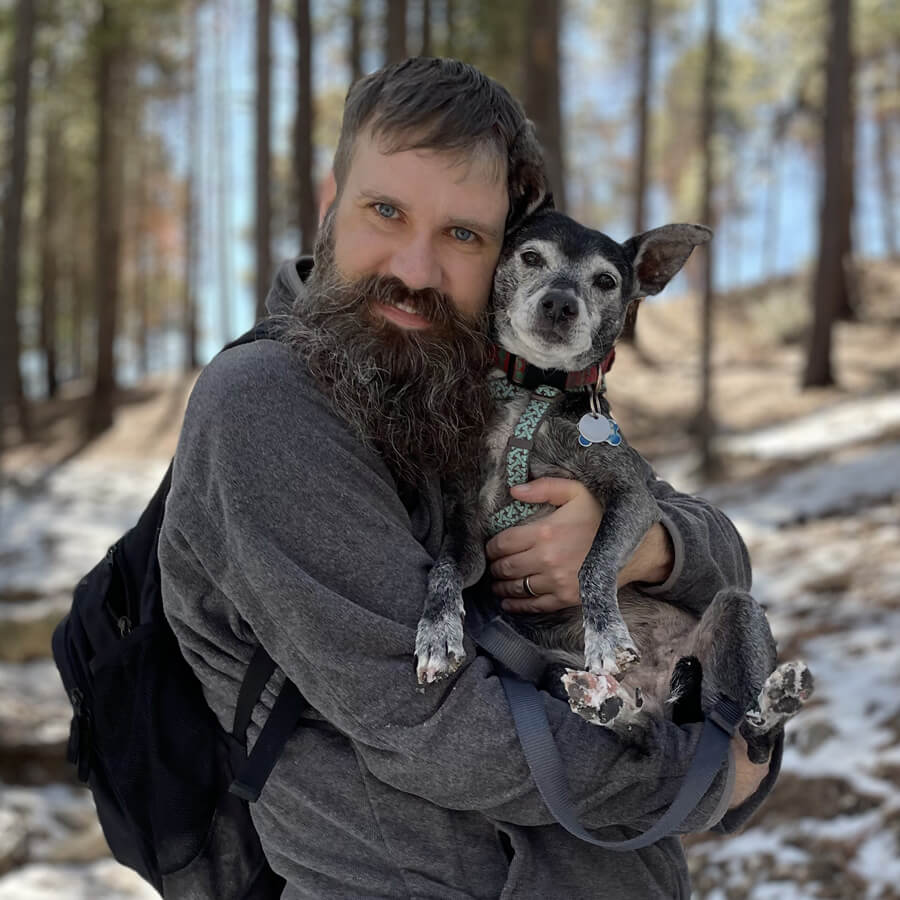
160 157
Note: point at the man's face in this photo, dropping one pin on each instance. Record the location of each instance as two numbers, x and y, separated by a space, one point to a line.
430 219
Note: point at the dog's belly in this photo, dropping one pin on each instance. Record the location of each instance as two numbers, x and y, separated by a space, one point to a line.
662 632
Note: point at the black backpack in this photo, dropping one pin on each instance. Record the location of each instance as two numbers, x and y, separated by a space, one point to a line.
171 786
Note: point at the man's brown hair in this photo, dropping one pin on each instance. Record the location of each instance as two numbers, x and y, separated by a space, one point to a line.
449 106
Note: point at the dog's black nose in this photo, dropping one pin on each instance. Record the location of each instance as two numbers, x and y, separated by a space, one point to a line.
559 306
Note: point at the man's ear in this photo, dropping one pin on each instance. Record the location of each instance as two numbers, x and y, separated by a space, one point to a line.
529 189
658 255
327 193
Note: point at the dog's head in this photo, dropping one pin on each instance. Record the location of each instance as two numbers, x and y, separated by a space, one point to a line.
561 290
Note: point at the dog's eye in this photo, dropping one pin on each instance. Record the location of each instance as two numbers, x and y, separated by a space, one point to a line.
604 281
533 258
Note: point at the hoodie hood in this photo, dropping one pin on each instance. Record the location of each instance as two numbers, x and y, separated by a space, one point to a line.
288 285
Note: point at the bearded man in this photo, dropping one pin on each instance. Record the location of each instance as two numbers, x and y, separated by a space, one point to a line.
305 513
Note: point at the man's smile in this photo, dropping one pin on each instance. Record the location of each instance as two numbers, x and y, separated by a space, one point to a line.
402 314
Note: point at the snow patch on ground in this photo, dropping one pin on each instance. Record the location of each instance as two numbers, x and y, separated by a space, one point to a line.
55 529
830 429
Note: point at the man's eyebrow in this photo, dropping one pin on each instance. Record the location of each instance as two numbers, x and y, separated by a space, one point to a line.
380 197
469 224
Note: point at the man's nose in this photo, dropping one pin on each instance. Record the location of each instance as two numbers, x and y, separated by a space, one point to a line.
559 306
416 265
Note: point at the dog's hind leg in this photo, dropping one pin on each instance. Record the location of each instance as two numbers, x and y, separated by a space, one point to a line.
735 647
782 696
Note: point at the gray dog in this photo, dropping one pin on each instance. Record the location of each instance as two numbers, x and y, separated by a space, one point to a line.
561 294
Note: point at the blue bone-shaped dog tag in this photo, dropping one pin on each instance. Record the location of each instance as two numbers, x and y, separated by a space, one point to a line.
597 430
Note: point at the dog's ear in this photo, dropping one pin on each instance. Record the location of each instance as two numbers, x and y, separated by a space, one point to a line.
658 255
529 189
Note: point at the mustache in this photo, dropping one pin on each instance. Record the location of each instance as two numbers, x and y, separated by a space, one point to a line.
431 304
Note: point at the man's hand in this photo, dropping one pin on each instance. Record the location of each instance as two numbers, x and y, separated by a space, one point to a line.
748 776
551 550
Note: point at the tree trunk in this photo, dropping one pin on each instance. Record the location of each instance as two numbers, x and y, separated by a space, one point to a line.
191 223
848 299
450 21
357 21
50 248
771 219
395 31
542 89
705 423
263 155
886 179
224 270
111 89
643 145
829 275
75 266
426 28
143 269
11 389
303 130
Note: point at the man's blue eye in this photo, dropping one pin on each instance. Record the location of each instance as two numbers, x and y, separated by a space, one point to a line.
385 210
463 234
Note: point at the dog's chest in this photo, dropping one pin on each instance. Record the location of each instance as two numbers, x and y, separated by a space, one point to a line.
494 487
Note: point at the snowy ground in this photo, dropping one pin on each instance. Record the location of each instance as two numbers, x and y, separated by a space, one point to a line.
824 533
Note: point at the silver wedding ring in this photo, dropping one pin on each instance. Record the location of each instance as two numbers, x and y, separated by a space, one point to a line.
526 586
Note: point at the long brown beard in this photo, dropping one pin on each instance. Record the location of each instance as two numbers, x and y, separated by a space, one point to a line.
418 397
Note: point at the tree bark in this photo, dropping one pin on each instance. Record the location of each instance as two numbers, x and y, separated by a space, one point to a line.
450 21
426 28
190 219
886 179
303 130
542 88
395 31
643 144
111 87
50 248
12 393
263 155
705 422
847 298
357 21
829 274
223 172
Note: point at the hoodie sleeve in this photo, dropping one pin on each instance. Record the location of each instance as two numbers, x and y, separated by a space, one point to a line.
299 532
709 553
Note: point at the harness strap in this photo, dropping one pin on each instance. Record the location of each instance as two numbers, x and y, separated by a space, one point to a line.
523 664
518 448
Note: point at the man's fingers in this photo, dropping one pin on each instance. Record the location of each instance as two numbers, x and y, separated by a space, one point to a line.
547 490
511 567
542 604
509 541
515 588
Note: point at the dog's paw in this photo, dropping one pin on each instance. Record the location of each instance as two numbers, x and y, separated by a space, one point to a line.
605 652
439 647
783 694
596 698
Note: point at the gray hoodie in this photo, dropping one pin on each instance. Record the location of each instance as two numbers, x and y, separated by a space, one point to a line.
281 528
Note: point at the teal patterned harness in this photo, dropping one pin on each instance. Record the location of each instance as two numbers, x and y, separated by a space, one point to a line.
518 447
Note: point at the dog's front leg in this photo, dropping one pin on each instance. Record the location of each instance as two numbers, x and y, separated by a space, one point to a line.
608 646
439 636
